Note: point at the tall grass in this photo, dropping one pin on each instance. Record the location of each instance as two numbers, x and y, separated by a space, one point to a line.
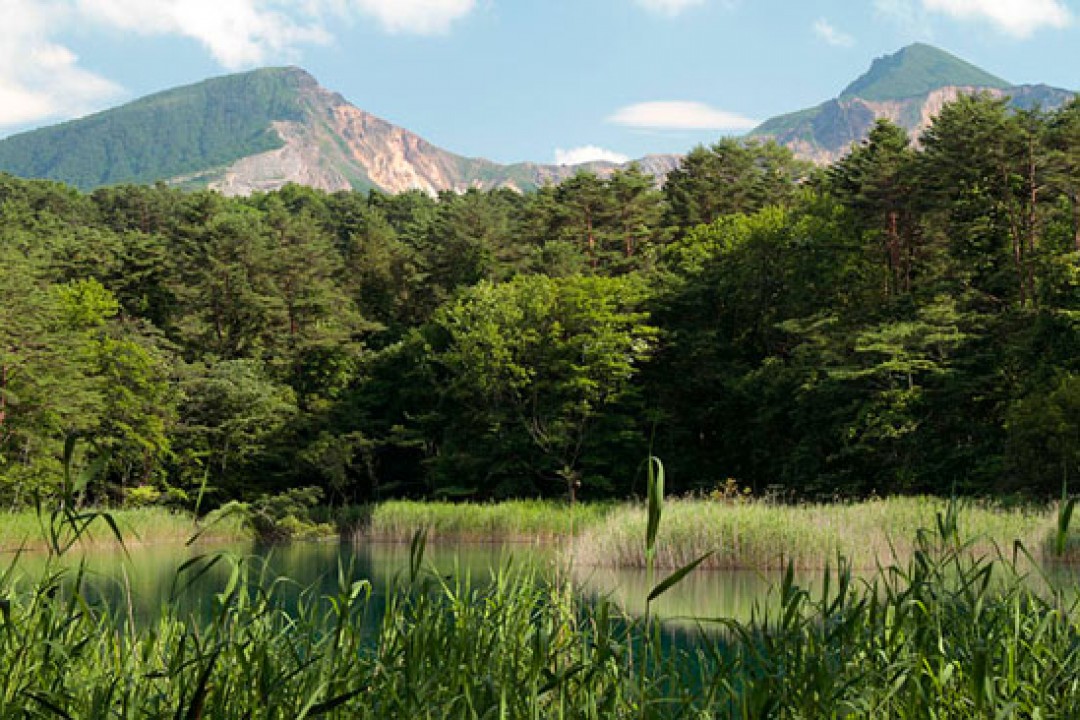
748 534
949 632
743 535
152 525
513 646
510 521
758 535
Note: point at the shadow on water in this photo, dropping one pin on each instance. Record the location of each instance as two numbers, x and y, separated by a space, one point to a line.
144 580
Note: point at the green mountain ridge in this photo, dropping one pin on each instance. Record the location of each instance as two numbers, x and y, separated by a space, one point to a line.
908 87
915 71
260 130
186 130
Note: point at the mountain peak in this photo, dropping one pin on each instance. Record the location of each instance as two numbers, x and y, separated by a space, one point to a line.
908 88
916 70
254 131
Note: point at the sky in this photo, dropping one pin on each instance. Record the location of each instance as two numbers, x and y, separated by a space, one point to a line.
512 80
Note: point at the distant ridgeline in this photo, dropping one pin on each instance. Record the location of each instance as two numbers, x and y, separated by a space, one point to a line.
184 132
263 129
909 88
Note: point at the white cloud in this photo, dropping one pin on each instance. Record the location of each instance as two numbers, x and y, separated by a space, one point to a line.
421 17
669 7
905 13
243 33
837 38
39 78
1019 18
680 116
588 153
237 33
246 32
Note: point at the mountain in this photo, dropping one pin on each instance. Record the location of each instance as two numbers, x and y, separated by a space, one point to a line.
909 87
259 131
263 129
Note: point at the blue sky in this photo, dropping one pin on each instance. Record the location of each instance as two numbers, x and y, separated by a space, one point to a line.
514 80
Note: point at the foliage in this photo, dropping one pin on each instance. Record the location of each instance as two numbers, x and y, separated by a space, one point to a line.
945 634
275 518
528 366
731 178
904 321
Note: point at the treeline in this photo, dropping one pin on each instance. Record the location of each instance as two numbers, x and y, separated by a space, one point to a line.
907 320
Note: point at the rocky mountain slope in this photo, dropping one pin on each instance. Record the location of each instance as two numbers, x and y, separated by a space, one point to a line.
263 129
909 87
259 131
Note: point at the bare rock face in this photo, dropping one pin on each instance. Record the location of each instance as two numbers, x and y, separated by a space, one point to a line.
297 161
338 146
909 88
834 127
260 130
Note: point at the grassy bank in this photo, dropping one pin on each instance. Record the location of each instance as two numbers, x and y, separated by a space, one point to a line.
741 535
510 521
142 526
941 636
757 535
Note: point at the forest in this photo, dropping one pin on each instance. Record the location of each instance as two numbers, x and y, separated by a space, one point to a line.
906 321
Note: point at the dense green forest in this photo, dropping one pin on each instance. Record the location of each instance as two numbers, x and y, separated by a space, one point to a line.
905 321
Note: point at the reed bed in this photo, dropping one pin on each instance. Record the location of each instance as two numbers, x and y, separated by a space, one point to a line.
946 634
28 529
513 646
509 521
745 535
762 536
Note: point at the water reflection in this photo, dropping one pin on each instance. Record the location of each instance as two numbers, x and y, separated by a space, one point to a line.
701 595
145 579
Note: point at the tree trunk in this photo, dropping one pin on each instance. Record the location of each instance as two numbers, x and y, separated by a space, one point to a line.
893 250
1032 220
591 239
3 396
1076 221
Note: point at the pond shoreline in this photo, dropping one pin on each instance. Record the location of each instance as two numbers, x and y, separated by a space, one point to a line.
751 535
403 642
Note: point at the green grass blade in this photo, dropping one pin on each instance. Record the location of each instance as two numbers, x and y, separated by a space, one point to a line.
676 577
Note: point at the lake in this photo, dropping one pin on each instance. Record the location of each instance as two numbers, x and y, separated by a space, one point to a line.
314 568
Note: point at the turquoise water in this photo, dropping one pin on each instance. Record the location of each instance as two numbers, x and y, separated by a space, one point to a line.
144 579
